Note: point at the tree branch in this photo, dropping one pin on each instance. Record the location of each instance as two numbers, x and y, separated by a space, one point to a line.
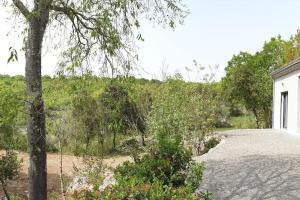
21 7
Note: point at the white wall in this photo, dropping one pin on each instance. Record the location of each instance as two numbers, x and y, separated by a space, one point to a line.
291 84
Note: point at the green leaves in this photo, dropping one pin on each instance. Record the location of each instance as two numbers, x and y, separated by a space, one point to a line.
108 29
9 105
248 78
9 167
13 55
139 37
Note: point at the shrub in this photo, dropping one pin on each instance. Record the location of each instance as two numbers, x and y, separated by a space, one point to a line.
9 169
138 189
167 162
244 121
211 143
194 176
20 142
167 172
92 168
130 146
10 141
51 148
119 113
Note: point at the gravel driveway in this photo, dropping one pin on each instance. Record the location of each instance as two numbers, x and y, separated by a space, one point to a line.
254 164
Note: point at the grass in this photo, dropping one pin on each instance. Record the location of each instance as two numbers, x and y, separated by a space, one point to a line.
240 122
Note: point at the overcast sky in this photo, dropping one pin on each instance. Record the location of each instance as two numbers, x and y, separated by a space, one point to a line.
212 33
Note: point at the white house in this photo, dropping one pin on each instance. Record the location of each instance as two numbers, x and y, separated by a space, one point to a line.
286 97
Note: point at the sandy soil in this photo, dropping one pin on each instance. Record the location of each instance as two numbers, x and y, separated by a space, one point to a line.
19 186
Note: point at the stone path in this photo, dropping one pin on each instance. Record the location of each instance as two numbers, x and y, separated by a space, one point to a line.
253 164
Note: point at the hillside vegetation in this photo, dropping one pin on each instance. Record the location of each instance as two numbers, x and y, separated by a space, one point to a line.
101 111
161 124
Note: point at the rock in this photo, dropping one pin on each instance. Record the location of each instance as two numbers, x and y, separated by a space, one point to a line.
109 180
78 183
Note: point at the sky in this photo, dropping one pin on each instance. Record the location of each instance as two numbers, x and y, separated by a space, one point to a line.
212 33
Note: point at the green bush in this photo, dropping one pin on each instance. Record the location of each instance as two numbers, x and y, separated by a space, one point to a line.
211 143
167 162
130 146
20 142
9 169
243 122
51 148
167 172
194 176
138 189
16 141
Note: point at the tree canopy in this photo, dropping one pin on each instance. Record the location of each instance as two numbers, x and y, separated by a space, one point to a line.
248 77
103 31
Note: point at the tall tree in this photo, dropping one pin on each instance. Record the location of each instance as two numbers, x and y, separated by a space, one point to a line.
86 116
116 110
9 105
96 28
248 76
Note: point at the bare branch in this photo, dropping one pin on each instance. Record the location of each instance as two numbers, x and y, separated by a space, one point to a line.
21 7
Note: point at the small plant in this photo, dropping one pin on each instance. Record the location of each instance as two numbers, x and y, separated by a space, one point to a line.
167 172
9 169
195 174
168 162
205 195
211 143
138 189
92 169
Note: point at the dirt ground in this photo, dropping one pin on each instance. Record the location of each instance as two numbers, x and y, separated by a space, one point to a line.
19 186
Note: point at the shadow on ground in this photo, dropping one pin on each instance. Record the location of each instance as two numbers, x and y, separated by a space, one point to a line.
253 177
19 186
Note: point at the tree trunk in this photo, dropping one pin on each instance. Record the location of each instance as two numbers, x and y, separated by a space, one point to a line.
256 118
62 185
143 139
37 171
114 140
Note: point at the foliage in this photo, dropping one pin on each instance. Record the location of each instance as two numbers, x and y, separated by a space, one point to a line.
118 112
19 142
101 30
149 107
136 189
167 172
92 168
245 81
9 169
211 143
130 146
86 117
168 115
243 122
8 113
203 114
8 107
194 176
168 162
248 79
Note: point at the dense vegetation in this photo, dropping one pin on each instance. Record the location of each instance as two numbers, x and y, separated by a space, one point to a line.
160 123
99 114
166 172
248 79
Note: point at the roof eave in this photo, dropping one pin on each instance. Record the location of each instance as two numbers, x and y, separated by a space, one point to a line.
289 68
